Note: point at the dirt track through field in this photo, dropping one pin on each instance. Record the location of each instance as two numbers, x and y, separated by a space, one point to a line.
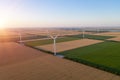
63 46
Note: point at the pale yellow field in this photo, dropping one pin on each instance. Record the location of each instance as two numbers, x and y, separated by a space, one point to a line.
116 34
115 39
109 34
63 46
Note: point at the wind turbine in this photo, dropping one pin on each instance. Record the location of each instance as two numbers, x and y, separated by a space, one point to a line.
20 37
54 42
83 33
98 30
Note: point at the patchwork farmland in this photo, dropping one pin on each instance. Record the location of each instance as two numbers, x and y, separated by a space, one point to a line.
68 46
49 41
44 66
21 62
63 46
59 39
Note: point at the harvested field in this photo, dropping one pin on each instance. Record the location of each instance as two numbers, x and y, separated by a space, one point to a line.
28 34
109 34
43 32
116 34
115 39
13 35
14 53
63 46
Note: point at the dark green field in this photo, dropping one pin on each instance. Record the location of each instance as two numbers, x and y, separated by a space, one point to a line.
43 42
106 54
97 37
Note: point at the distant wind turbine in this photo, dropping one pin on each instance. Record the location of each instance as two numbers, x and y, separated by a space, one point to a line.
20 37
83 33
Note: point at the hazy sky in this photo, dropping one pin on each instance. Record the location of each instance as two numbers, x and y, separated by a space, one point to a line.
59 13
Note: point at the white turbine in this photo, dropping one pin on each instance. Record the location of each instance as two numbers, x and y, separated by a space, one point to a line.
54 42
20 37
98 30
54 45
83 33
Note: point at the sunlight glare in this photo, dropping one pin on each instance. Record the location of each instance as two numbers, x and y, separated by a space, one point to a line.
2 23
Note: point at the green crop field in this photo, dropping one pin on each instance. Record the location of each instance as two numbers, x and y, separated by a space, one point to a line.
106 55
97 37
49 41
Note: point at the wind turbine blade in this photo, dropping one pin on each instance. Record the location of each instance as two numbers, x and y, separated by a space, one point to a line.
48 33
51 36
55 36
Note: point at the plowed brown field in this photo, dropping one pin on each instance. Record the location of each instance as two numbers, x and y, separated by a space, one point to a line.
13 53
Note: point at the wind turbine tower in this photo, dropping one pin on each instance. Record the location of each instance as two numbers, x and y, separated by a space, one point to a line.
54 42
83 33
20 38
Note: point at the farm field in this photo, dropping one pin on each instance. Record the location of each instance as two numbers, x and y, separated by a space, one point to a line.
115 39
108 34
115 34
60 32
104 54
63 46
11 53
44 66
67 38
19 62
13 35
49 41
91 36
8 36
35 39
